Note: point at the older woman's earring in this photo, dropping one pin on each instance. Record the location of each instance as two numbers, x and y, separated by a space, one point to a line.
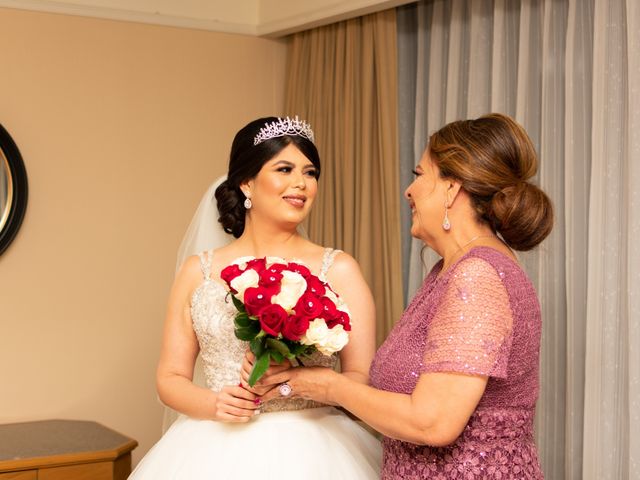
446 224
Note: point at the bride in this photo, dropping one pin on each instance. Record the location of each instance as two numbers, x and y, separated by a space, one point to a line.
224 432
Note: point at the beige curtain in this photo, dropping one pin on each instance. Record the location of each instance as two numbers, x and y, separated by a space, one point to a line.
342 79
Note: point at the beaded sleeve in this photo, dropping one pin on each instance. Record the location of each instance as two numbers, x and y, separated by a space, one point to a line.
471 330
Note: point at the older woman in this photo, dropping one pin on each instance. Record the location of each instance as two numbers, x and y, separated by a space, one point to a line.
454 387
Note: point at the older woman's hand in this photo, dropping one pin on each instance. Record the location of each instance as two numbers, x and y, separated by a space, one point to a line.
307 382
260 388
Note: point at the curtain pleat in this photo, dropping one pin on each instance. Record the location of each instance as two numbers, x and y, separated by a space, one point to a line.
342 78
577 167
550 256
632 219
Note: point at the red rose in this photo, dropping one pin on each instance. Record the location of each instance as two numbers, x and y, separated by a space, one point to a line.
298 268
270 279
315 285
229 273
258 264
294 327
308 306
276 267
272 317
340 319
329 310
256 298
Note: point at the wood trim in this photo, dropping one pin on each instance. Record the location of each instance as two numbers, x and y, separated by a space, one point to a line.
68 459
25 475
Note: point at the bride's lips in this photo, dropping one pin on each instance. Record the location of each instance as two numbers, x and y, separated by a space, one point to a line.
295 200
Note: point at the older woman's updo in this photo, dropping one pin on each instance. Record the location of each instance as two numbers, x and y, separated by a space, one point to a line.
494 159
245 161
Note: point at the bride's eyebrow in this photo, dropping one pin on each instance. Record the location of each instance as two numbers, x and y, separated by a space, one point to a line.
286 163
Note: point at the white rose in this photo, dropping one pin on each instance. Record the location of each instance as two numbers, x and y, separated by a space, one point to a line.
292 286
335 341
243 281
337 301
271 260
332 296
342 306
316 334
242 261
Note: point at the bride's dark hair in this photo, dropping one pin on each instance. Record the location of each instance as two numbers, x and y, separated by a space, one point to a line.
245 161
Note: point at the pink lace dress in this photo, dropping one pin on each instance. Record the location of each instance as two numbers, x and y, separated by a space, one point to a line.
481 317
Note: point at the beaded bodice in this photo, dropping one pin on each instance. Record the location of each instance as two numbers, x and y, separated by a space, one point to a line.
480 317
212 314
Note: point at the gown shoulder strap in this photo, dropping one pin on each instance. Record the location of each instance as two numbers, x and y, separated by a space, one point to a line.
327 260
206 259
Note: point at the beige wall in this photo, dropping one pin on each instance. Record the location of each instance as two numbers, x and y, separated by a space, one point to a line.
122 126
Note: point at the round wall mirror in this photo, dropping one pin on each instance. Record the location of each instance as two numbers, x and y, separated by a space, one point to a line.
13 189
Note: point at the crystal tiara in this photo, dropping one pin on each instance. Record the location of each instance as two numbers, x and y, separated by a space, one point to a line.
284 126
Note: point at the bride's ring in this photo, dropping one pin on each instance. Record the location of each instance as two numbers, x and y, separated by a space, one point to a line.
285 389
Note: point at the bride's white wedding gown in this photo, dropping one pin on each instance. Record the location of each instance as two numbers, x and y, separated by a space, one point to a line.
290 439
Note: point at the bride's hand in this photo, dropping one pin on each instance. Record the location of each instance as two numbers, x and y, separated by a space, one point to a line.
307 382
259 388
235 404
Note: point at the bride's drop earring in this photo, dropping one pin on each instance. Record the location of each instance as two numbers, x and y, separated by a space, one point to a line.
446 224
247 201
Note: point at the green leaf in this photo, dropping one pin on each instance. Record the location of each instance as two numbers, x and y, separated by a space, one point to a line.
261 366
238 304
242 320
299 349
278 346
257 346
247 334
276 356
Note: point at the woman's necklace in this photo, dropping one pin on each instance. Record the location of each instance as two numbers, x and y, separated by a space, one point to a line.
471 241
462 247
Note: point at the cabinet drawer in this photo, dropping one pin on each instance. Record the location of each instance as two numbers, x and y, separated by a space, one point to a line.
87 471
25 475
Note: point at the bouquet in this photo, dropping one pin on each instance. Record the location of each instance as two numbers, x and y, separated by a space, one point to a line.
284 311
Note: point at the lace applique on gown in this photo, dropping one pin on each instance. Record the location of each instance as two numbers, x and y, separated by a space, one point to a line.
291 438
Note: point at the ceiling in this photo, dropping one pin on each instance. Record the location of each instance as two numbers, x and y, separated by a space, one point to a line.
269 18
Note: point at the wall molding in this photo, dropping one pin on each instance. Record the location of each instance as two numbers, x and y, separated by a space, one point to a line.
125 15
276 18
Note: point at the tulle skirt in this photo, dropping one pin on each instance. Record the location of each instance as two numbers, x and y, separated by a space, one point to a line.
314 444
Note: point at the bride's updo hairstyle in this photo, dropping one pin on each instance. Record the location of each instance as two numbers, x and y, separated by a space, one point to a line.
494 159
246 160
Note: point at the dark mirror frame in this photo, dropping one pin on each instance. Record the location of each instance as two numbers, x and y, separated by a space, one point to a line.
20 189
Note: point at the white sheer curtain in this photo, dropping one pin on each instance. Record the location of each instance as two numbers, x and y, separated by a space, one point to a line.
569 71
612 387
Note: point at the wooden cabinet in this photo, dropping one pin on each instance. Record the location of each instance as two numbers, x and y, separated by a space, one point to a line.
63 450
27 475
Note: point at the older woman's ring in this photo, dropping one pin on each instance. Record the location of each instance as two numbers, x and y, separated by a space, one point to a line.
285 389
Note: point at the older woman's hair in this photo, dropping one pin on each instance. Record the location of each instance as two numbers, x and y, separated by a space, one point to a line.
494 159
